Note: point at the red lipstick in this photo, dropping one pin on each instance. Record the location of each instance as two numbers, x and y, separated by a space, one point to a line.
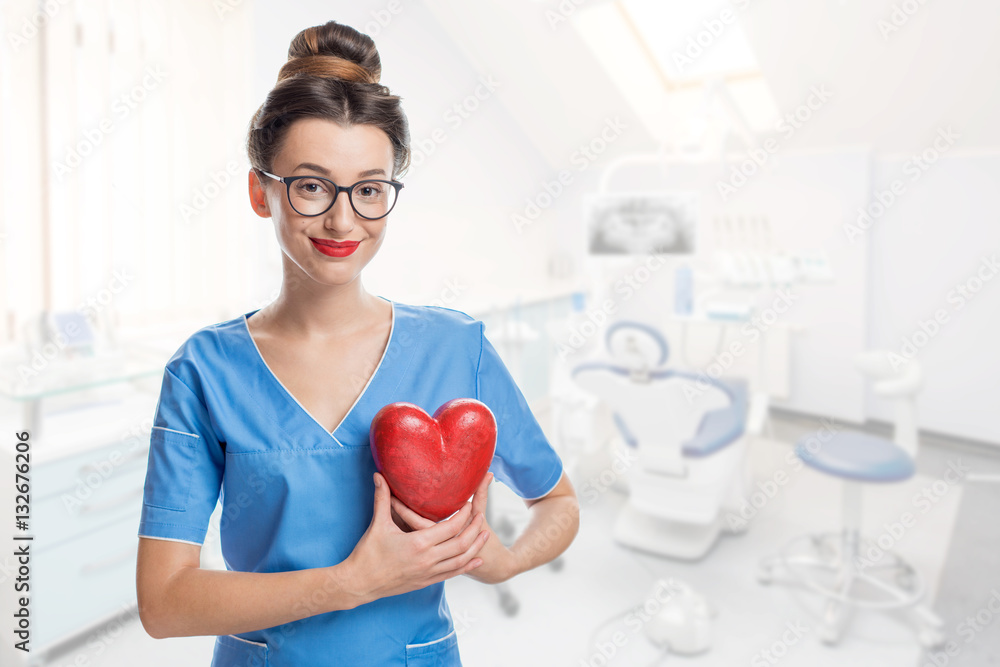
334 248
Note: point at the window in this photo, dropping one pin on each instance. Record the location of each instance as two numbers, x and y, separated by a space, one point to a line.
123 178
668 57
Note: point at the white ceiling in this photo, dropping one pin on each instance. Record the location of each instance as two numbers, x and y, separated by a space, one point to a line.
894 78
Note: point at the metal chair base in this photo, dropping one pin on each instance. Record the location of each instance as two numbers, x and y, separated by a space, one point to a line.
833 566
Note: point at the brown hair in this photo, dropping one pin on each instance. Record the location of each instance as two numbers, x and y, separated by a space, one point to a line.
332 72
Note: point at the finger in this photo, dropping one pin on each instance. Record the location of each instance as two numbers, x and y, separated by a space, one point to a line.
449 528
460 542
398 520
461 560
381 503
483 488
444 576
485 484
480 497
409 516
482 494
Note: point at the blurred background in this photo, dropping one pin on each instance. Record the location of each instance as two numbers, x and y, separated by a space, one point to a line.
739 256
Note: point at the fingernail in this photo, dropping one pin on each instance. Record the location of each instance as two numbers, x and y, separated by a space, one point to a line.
378 484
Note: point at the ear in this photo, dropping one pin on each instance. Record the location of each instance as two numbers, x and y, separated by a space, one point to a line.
258 196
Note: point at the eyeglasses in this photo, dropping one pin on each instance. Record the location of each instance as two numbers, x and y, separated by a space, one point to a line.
311 195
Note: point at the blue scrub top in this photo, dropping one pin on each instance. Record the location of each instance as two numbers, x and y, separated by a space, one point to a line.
295 496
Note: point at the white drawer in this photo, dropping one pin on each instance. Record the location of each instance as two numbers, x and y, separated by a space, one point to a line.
91 468
65 516
82 581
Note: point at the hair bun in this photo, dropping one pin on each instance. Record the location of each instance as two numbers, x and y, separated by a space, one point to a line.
335 51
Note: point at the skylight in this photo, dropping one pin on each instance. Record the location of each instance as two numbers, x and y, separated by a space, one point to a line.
693 40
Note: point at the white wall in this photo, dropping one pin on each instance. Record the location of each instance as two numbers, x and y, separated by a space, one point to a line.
890 86
941 234
897 80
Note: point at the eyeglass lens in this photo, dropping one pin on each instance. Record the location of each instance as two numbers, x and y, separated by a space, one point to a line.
313 196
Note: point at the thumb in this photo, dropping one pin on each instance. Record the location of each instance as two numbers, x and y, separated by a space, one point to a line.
382 504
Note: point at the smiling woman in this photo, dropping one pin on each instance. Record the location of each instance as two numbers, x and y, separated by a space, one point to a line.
335 225
273 410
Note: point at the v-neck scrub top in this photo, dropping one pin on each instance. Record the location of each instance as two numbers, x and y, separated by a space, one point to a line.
295 496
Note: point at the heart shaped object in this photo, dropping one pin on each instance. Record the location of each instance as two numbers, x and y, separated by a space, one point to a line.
434 463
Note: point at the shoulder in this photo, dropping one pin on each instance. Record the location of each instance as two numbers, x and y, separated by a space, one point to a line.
438 319
440 333
205 348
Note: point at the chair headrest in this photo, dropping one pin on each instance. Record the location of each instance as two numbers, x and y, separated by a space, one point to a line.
635 345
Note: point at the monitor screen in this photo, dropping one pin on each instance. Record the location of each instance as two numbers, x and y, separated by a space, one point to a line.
70 329
641 223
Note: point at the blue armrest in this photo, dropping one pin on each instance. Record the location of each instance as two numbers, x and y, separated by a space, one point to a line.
630 439
623 429
720 427
717 429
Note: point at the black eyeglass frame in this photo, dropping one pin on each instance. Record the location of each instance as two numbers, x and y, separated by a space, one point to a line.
337 189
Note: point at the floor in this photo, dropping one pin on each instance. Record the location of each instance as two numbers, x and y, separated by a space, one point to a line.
970 584
601 582
579 614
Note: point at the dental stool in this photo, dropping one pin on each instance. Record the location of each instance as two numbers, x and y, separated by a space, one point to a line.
838 566
687 434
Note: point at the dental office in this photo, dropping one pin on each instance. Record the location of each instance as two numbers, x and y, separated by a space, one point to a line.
727 272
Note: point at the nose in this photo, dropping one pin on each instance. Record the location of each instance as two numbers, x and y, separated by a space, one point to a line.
340 217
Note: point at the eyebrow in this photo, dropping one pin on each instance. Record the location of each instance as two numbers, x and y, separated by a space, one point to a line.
326 172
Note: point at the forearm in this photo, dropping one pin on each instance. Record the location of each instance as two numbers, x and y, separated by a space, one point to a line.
553 525
195 601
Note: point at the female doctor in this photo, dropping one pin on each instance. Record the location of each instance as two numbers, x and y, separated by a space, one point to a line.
272 410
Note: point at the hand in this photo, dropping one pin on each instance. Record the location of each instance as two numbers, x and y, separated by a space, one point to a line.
398 520
418 520
499 562
388 561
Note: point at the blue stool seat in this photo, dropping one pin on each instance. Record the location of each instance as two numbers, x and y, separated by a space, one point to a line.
857 456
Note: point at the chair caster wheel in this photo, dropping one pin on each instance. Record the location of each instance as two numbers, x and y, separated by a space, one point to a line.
766 569
828 634
736 530
905 580
509 603
930 638
825 550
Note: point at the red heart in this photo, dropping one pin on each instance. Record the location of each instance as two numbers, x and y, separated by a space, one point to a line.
434 463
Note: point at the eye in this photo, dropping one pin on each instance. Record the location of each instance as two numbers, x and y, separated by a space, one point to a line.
310 187
369 190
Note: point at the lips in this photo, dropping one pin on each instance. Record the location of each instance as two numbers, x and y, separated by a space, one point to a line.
334 248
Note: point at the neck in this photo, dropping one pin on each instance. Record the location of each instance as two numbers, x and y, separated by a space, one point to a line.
307 309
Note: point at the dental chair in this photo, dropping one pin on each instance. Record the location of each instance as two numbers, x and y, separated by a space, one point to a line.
836 565
687 435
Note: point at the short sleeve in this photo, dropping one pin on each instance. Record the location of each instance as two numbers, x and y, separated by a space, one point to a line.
524 459
184 469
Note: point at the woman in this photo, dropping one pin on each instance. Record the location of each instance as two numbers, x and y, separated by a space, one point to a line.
273 408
